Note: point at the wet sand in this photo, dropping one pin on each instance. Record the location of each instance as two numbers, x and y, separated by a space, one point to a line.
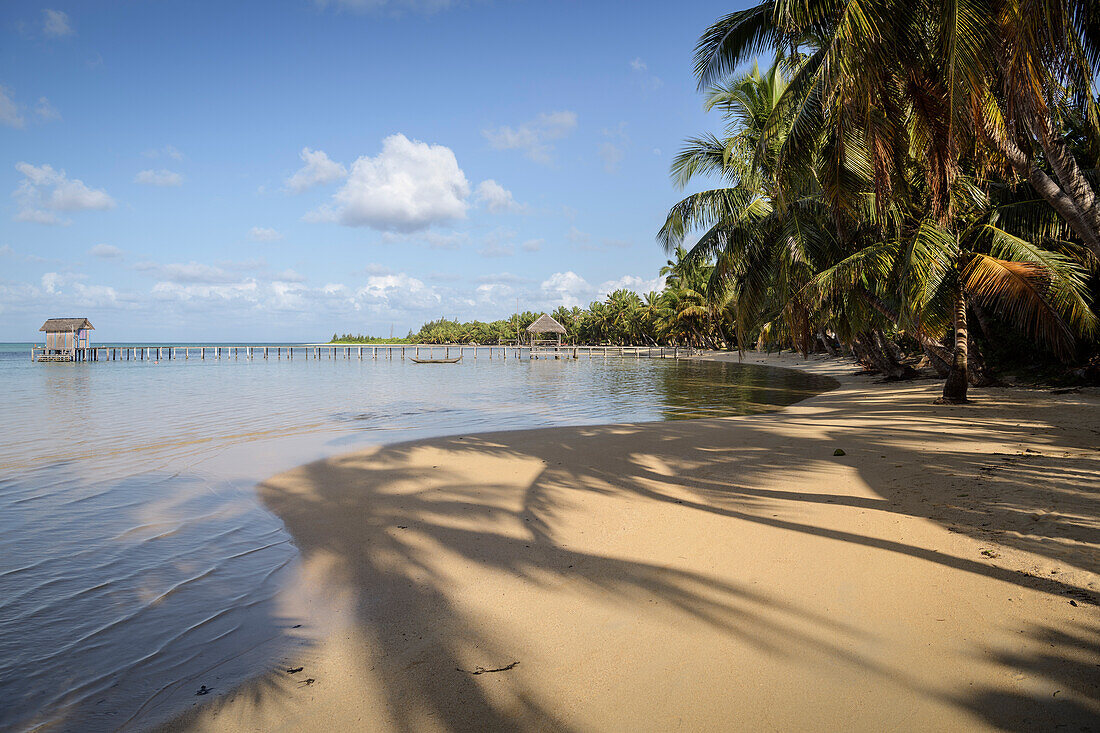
716 574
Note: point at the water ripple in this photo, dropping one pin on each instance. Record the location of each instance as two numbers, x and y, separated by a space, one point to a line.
134 557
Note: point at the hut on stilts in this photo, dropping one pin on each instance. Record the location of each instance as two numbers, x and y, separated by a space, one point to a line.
66 338
545 334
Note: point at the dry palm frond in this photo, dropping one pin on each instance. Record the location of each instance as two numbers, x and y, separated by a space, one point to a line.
1020 292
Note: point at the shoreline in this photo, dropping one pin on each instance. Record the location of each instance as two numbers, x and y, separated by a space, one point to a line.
704 573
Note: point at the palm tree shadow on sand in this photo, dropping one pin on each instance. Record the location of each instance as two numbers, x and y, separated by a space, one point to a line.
383 520
405 603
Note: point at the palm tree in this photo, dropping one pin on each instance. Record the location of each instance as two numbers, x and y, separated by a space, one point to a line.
566 317
652 315
1008 69
880 115
763 232
624 307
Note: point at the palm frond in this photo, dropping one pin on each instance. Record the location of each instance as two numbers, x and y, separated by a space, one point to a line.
733 39
1018 292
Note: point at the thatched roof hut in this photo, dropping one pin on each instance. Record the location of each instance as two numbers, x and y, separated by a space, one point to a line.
66 335
54 325
546 324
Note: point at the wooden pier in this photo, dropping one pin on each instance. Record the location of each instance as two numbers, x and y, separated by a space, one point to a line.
139 353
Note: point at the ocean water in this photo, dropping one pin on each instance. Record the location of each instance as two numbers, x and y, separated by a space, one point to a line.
135 559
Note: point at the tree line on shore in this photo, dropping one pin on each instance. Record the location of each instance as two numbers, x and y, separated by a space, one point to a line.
904 180
680 314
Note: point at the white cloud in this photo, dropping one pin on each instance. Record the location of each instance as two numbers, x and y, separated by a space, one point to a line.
263 234
44 191
407 187
289 276
393 7
648 81
287 296
64 289
9 110
493 294
95 296
432 239
532 245
611 155
438 240
497 199
374 268
318 169
577 236
283 291
51 281
38 216
168 151
501 277
396 292
55 23
568 289
7 251
45 110
498 243
168 290
495 249
191 272
160 177
105 251
533 136
632 282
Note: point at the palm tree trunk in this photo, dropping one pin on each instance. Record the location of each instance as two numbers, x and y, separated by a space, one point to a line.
954 388
827 342
1066 169
976 367
891 358
938 362
1070 209
871 352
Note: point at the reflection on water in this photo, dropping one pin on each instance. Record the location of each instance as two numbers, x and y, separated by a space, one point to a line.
721 389
134 558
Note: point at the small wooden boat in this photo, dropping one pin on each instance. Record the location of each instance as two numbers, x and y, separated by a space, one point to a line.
436 361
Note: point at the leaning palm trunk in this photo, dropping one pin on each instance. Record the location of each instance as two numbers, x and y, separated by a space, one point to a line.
827 342
871 349
954 388
1077 212
938 358
1068 172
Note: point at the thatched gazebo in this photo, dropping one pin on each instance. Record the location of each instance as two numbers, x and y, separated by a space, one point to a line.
545 324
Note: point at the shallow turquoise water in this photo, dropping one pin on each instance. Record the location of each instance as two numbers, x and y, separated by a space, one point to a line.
134 557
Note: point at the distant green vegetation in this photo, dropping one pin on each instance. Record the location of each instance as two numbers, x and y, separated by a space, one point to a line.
347 338
679 314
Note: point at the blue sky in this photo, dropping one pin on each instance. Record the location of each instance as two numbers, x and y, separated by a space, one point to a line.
289 168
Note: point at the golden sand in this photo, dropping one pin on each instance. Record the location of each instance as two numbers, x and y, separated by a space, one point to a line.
717 574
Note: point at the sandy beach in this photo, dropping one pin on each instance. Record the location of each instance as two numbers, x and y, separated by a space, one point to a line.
943 573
